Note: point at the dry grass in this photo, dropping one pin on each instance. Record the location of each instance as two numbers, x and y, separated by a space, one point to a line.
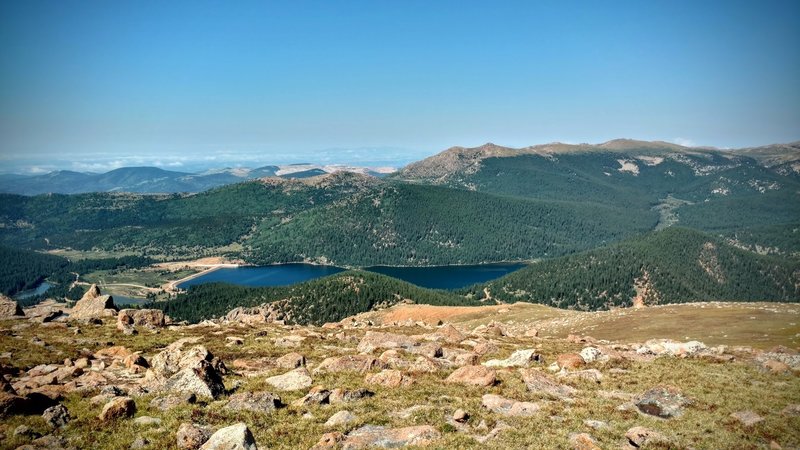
717 389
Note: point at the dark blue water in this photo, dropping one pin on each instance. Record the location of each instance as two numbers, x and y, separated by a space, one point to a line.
435 277
448 277
39 290
278 275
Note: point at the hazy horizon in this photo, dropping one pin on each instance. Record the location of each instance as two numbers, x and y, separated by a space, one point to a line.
94 83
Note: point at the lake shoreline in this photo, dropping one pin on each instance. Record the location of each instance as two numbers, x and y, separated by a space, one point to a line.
447 277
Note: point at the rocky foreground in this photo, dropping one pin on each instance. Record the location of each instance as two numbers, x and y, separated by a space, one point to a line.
96 377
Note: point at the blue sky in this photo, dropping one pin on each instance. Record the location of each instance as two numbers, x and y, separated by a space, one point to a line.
388 82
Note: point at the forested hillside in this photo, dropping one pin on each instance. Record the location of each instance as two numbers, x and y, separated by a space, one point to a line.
422 225
323 300
21 270
343 219
671 266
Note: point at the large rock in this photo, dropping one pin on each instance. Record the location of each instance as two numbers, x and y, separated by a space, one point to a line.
291 361
474 375
370 436
346 396
641 436
591 354
93 305
662 401
147 318
448 333
520 358
201 380
118 408
537 381
291 381
389 378
191 436
192 371
583 441
9 308
672 348
234 437
264 402
56 416
350 363
508 407
29 403
569 361
375 339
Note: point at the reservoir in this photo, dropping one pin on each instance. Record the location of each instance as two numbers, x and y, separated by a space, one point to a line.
39 290
434 277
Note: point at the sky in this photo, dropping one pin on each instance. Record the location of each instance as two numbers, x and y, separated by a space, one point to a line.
97 84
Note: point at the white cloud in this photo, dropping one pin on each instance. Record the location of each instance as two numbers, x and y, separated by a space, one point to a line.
38 170
684 142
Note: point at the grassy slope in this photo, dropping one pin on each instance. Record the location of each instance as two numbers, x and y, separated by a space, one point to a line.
761 325
717 390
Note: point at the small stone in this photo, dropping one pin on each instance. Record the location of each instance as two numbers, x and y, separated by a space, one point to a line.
536 381
56 416
639 436
520 358
147 421
315 397
234 437
343 396
171 401
139 442
263 401
328 441
747 418
792 410
291 381
592 375
473 375
460 416
389 378
26 431
508 407
596 424
233 341
341 418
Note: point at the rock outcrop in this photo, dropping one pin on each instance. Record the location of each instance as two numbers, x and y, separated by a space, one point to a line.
9 308
192 371
129 319
93 305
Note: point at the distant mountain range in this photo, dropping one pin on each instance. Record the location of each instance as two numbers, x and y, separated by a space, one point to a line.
604 225
153 180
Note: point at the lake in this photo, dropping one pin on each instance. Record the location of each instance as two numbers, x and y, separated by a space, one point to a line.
435 277
39 290
277 275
